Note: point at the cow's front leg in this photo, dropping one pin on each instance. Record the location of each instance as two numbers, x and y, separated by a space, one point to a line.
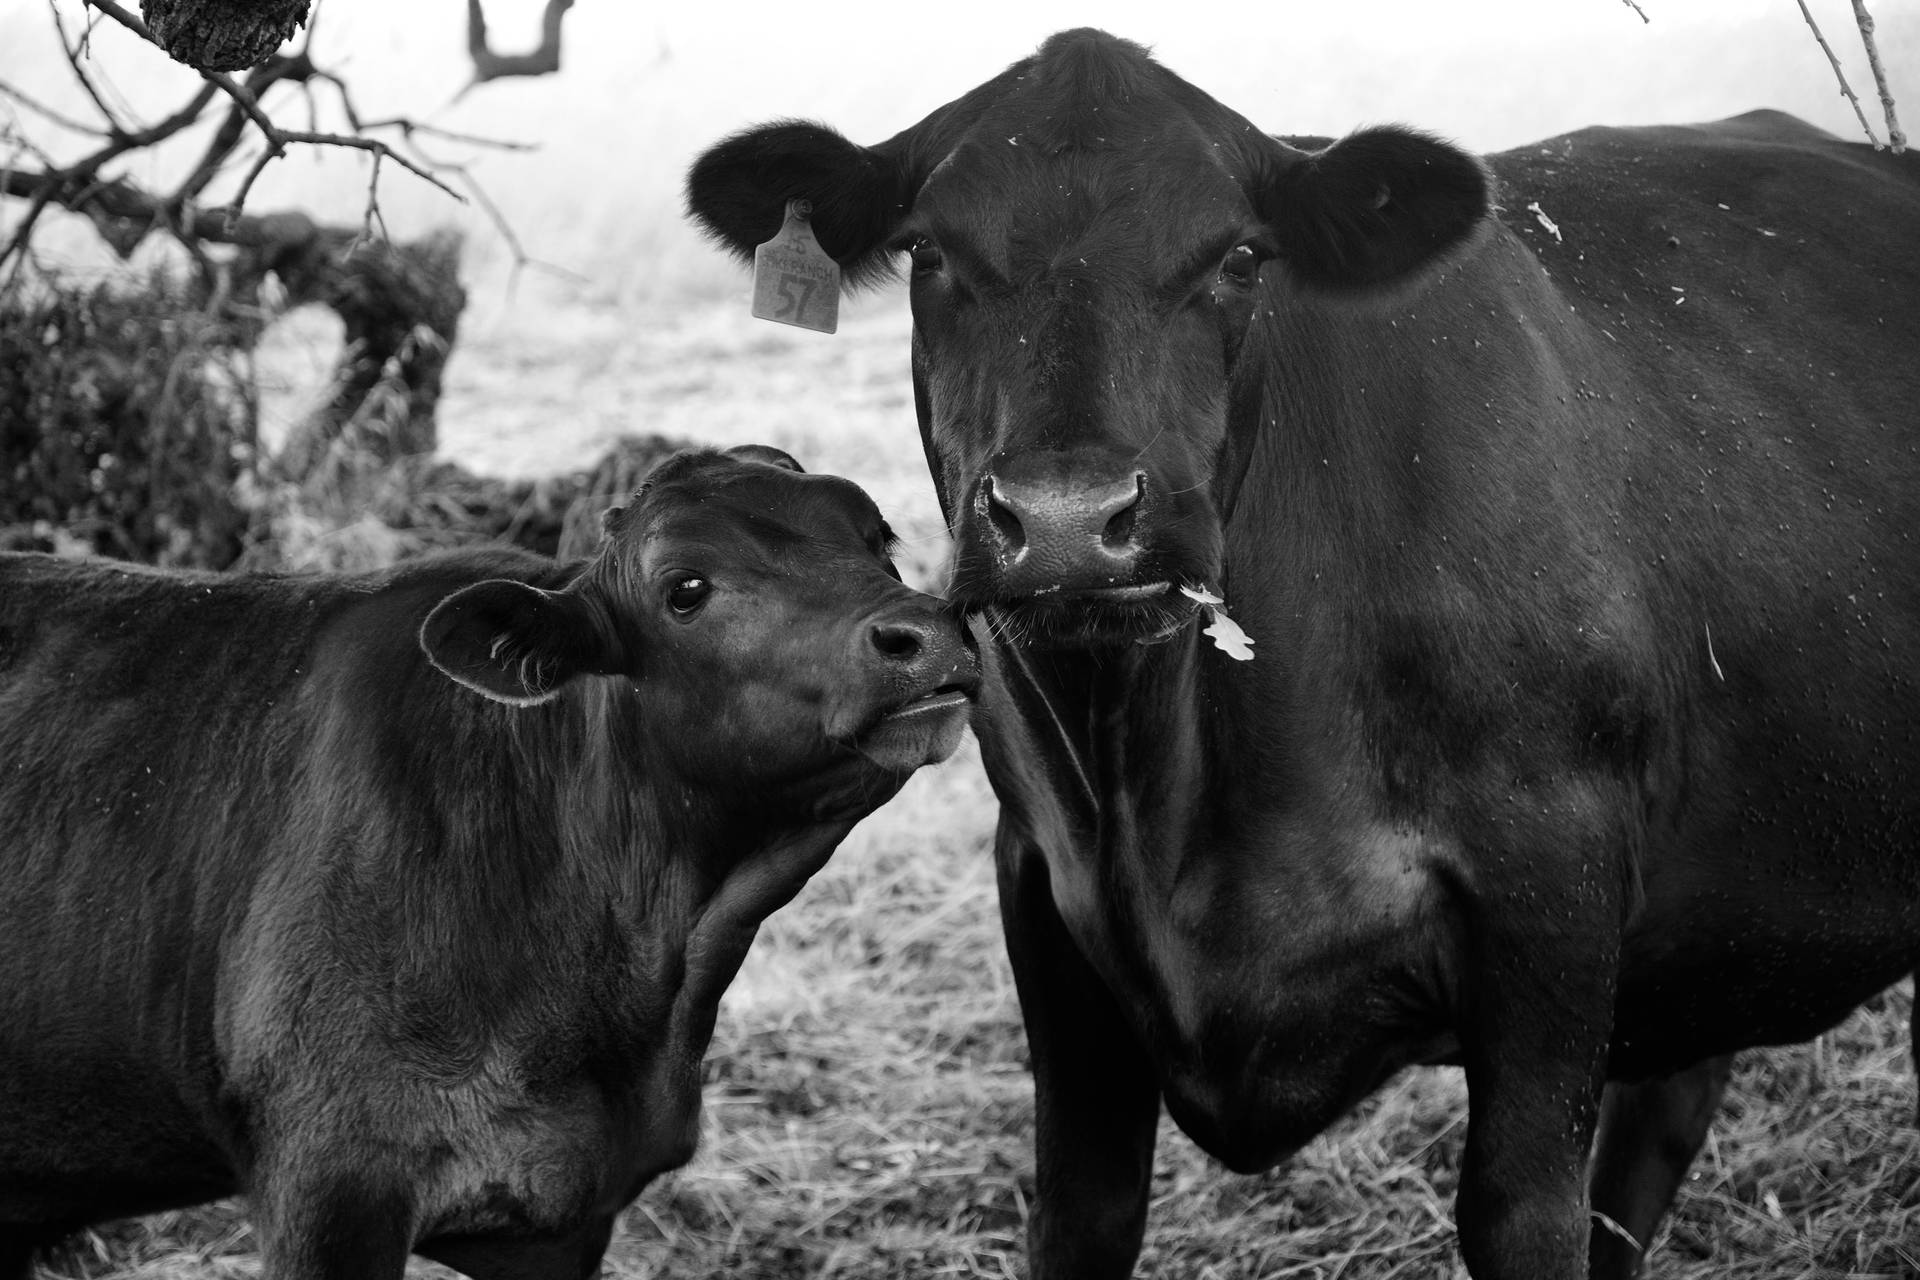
1650 1132
1539 975
1096 1103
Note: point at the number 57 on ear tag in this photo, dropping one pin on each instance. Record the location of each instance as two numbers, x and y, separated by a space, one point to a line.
794 281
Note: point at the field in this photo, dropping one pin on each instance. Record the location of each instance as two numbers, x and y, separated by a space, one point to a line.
868 1107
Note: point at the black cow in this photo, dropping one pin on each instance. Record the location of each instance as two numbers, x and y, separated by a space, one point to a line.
1580 566
283 910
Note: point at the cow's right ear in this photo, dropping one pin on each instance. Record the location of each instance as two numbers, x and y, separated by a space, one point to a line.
738 191
1374 209
516 643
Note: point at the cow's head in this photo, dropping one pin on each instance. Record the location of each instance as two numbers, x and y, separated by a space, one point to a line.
753 619
1093 243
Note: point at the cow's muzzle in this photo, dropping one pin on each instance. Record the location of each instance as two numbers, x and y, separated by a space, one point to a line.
1046 534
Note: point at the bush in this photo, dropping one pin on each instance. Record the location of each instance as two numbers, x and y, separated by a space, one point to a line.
129 428
122 427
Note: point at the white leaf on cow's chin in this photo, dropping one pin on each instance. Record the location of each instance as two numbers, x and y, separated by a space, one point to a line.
1228 638
1203 594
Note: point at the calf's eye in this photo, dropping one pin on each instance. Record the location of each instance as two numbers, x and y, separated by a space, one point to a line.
1241 265
925 255
688 594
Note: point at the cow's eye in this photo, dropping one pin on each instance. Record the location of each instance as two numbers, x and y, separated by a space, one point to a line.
1241 265
925 255
687 594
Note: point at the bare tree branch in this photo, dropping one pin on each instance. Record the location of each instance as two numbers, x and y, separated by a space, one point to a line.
1896 137
1846 90
1637 9
220 147
277 139
543 60
125 213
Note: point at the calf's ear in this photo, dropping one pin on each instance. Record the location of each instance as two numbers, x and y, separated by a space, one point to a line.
739 187
768 454
1374 209
516 643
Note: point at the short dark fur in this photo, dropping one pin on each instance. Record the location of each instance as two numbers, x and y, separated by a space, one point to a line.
1579 741
743 184
1374 209
288 912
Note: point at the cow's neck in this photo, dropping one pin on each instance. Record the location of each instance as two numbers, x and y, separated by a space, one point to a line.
1107 759
566 845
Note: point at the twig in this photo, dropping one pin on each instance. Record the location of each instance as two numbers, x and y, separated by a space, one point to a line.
1896 137
234 206
410 127
521 259
372 214
1846 89
80 72
17 244
20 143
373 145
220 147
1637 9
65 122
248 104
77 186
121 16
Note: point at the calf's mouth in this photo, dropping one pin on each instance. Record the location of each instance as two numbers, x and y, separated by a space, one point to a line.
925 729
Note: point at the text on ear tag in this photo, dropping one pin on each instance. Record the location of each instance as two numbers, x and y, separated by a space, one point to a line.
794 281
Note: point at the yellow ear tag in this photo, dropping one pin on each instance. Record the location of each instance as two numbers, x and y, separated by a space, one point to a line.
794 281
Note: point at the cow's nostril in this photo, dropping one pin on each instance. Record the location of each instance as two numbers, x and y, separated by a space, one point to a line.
1118 533
897 641
1005 520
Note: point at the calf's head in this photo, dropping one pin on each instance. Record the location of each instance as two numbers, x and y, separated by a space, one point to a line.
756 618
1092 245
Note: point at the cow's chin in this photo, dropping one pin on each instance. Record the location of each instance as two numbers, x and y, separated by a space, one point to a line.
1107 619
924 731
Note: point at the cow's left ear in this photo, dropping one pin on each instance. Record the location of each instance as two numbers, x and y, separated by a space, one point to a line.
516 643
739 187
1375 208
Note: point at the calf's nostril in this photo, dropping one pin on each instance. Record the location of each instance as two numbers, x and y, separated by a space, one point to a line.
896 641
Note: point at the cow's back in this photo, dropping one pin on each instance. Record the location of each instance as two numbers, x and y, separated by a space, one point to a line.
1754 272
162 738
